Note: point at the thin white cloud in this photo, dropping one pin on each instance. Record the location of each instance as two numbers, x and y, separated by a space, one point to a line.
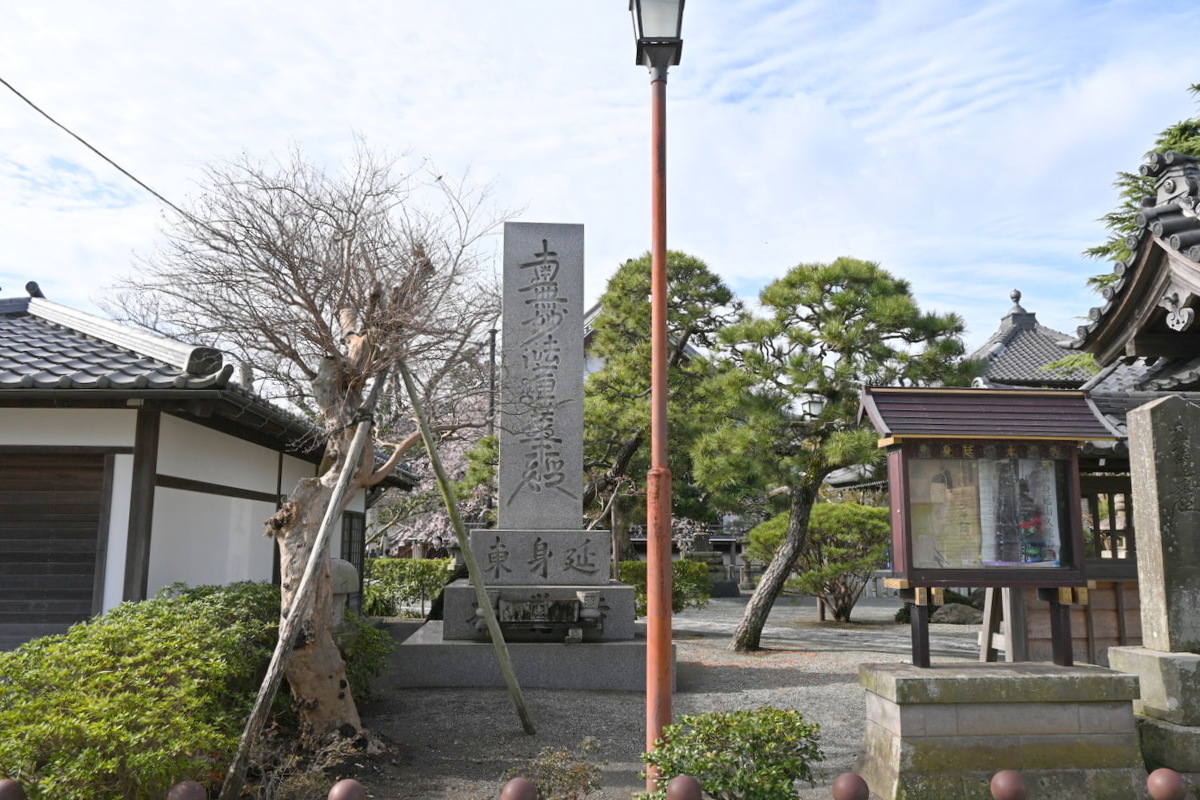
967 146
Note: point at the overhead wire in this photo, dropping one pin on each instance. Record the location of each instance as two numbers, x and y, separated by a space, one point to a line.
88 145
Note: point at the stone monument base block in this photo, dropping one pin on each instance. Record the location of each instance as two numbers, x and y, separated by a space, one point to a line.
535 613
1170 682
1165 744
427 660
942 732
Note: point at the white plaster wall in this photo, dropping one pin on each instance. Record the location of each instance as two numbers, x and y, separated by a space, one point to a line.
118 531
204 538
188 450
80 427
293 470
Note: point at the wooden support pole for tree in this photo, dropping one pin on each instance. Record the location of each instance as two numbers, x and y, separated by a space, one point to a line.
460 533
289 625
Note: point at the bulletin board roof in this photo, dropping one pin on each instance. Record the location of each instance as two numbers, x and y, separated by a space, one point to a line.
902 413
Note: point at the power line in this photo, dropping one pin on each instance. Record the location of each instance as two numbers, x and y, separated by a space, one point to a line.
85 143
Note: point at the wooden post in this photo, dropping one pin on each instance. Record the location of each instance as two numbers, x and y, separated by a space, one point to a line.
464 543
289 626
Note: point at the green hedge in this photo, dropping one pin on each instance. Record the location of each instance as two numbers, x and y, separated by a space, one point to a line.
124 706
389 584
737 755
689 584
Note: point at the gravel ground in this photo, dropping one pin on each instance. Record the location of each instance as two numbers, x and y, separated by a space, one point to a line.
454 744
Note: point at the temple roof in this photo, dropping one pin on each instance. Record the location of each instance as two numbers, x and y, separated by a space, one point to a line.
1150 305
54 355
1017 353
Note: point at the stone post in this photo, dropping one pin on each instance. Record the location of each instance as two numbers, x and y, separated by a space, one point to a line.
1164 445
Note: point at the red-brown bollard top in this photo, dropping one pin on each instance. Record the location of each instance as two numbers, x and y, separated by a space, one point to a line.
1163 784
850 786
684 787
188 790
348 789
1007 784
519 789
11 790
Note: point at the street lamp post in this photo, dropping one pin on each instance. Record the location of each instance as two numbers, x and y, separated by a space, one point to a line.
656 26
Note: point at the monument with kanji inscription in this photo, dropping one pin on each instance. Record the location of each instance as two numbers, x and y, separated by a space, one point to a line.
547 577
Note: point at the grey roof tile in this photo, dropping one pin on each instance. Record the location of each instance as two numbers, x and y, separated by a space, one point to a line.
39 353
1017 353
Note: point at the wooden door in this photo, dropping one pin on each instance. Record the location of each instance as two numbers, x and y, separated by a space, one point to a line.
52 509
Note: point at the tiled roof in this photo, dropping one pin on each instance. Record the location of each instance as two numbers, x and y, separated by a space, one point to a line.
1170 218
984 414
1017 353
49 349
47 346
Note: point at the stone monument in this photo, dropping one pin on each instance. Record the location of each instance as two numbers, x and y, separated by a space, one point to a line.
546 577
1164 445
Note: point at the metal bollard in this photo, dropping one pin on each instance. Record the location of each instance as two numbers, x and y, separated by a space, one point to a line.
188 790
519 789
1008 784
1163 784
11 790
850 786
348 789
684 787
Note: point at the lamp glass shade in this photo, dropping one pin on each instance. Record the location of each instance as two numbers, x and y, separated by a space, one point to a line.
657 19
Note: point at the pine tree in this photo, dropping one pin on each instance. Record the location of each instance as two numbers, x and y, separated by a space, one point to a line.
825 330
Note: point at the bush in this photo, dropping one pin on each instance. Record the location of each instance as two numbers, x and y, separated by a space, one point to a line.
689 584
389 584
738 755
366 655
124 706
560 774
845 543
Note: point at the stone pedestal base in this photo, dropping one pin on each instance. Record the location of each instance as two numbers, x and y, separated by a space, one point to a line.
1170 682
1168 722
616 606
426 659
942 732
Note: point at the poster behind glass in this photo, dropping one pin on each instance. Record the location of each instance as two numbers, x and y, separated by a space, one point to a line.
987 512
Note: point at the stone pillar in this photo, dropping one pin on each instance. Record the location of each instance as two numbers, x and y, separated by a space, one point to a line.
1164 454
548 579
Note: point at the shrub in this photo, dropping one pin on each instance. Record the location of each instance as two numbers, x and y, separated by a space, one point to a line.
366 655
559 773
738 755
845 543
689 584
125 705
389 584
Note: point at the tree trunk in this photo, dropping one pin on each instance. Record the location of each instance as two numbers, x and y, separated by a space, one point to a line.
612 476
315 671
747 635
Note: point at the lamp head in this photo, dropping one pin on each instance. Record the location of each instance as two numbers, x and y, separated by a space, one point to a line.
657 28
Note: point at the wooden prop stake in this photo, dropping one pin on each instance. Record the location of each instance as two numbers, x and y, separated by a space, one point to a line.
289 626
460 533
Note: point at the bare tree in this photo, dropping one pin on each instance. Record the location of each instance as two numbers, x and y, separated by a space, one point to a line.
319 280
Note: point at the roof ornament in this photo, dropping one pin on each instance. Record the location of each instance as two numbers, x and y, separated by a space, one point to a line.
1179 316
1015 296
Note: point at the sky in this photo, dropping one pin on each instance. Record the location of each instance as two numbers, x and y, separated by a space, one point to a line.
968 146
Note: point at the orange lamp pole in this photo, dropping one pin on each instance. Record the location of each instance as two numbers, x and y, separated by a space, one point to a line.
657 25
658 480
